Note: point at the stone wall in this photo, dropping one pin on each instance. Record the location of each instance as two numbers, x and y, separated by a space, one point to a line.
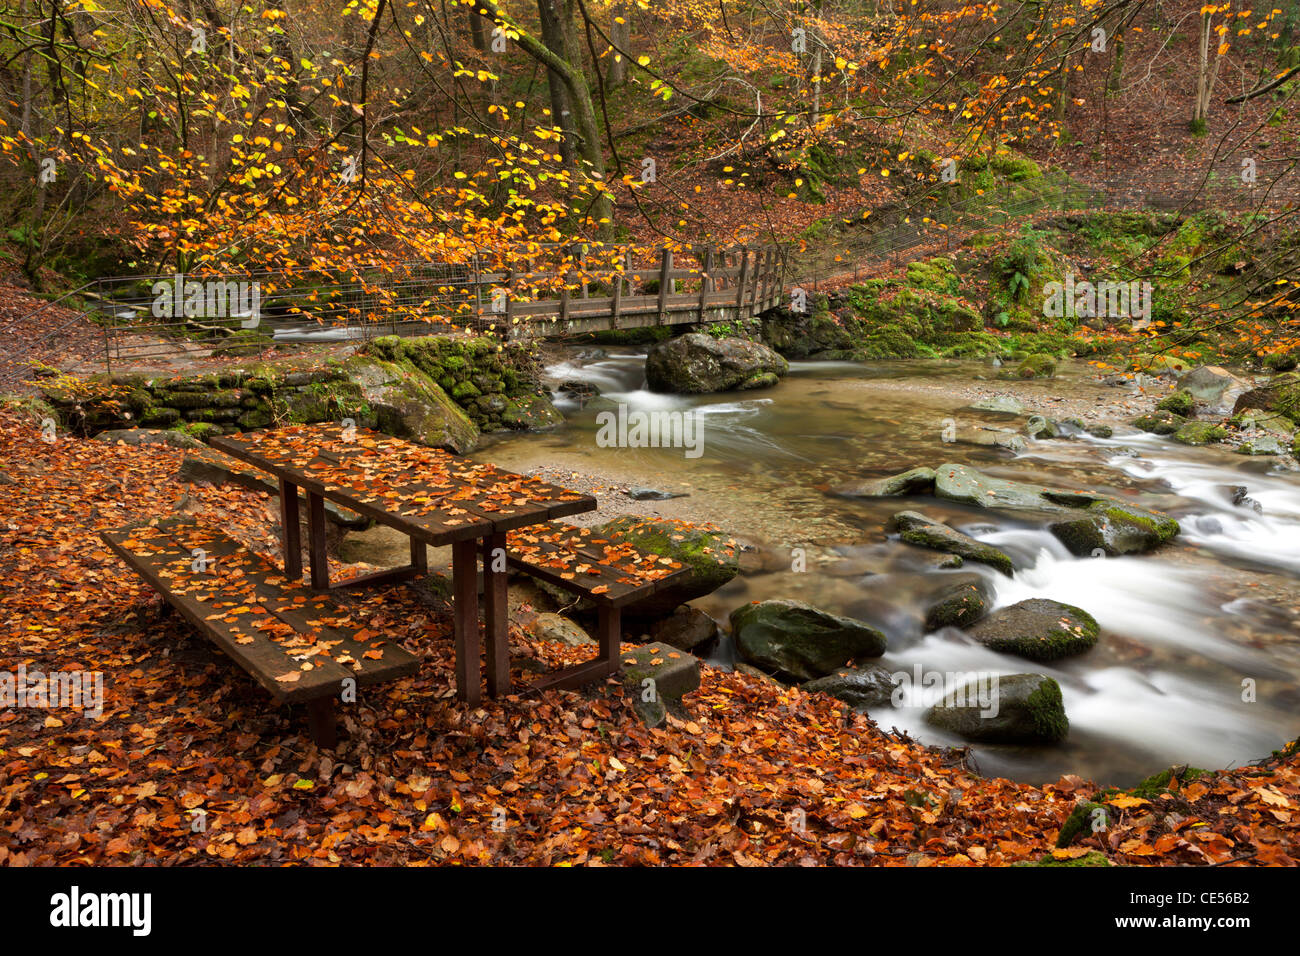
439 390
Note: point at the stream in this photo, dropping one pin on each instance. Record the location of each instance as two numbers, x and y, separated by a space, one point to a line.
1199 657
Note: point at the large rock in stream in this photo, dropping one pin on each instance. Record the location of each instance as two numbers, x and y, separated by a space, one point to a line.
915 528
697 363
859 687
1015 709
798 642
1038 629
1094 521
1280 394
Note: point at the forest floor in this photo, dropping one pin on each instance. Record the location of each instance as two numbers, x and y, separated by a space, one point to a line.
754 773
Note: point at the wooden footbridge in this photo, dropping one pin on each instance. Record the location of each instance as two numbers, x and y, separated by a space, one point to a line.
552 291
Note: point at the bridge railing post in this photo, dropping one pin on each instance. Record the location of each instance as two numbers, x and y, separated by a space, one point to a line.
616 306
706 266
665 273
741 279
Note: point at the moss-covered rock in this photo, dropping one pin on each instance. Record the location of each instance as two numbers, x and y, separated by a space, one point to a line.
407 404
1035 366
1160 422
530 413
799 642
1200 433
1038 629
697 363
1015 709
917 529
1115 528
1180 403
959 604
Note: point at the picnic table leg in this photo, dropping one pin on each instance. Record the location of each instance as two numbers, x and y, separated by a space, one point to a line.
496 614
464 587
321 721
320 569
419 557
609 628
290 532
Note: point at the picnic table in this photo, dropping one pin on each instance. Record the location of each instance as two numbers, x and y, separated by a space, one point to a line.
434 497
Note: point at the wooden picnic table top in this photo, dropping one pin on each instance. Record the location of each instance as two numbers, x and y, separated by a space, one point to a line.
433 495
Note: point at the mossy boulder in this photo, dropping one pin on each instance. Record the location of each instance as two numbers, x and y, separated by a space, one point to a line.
799 642
1015 709
1161 422
530 413
1115 528
859 687
1038 629
1039 427
406 404
915 481
915 528
1180 403
1280 394
1035 366
1200 433
958 604
709 557
697 363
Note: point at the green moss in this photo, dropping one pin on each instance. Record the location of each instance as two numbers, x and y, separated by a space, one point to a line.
1180 403
200 430
1091 858
465 390
1081 821
1158 783
1160 423
1161 525
1041 365
937 274
1015 168
1200 433
1046 706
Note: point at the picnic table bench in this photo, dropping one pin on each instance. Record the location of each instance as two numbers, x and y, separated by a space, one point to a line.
609 572
297 643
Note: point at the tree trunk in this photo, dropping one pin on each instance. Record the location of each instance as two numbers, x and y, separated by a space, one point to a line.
583 112
621 35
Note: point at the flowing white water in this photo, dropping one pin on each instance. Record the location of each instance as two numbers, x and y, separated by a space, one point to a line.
1195 664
